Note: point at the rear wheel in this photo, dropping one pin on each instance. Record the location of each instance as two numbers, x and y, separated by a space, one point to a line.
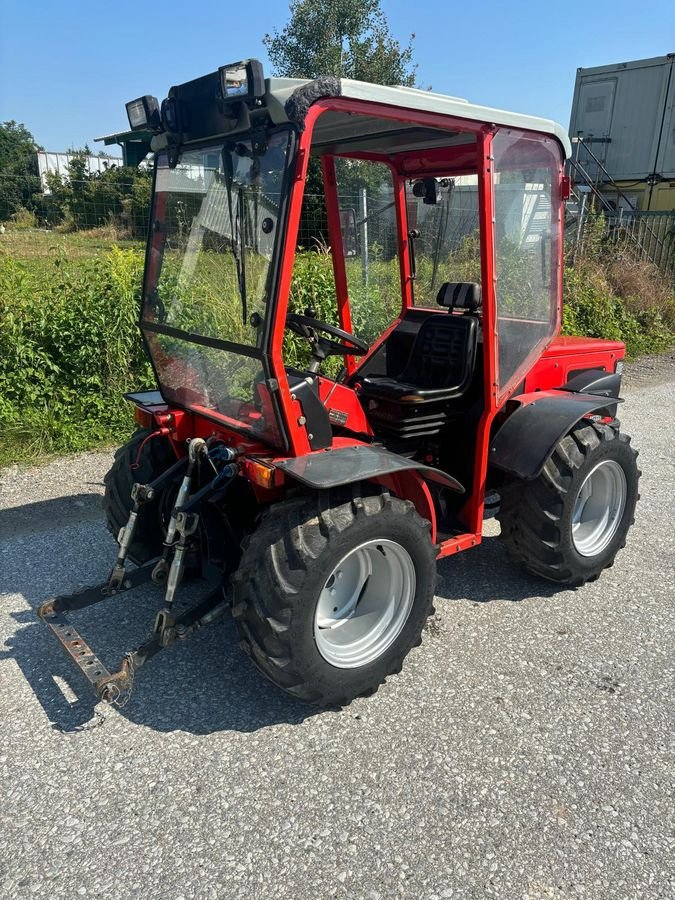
332 592
568 524
139 460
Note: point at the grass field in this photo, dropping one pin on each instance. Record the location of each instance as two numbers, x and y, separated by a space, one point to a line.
32 243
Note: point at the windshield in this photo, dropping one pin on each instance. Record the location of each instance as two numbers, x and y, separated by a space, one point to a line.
208 276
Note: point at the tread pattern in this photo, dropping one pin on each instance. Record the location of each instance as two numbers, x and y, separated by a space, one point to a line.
269 586
533 513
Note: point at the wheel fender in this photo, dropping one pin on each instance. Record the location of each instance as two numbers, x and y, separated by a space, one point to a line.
410 485
594 381
529 435
360 462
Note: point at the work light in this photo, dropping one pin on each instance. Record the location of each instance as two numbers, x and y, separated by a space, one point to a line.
143 113
170 114
242 80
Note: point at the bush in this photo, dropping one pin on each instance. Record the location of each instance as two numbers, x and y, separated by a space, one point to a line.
606 298
23 220
69 348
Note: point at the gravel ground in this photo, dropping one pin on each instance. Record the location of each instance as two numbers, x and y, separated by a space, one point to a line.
526 751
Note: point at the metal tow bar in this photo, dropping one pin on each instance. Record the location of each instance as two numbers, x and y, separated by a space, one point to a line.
115 687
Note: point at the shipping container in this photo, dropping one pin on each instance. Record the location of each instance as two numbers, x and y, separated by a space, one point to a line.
625 115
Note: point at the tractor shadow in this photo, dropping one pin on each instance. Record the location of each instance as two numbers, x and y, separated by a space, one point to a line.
486 573
201 686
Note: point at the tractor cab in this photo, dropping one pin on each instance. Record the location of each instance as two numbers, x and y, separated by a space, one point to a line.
440 272
351 302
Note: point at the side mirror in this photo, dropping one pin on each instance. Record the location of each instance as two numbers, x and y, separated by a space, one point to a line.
428 190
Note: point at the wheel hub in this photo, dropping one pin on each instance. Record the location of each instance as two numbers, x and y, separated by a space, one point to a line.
598 508
364 604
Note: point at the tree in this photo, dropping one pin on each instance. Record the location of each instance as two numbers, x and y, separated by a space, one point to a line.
344 38
119 195
18 168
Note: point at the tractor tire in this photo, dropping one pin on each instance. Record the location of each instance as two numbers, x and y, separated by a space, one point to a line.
332 592
156 455
568 524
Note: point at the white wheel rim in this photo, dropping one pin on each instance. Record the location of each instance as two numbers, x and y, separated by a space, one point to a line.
364 604
598 508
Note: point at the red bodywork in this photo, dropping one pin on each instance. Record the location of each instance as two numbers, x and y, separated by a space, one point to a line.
565 356
559 361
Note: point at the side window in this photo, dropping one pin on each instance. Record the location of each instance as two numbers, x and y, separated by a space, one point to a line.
527 242
368 220
444 213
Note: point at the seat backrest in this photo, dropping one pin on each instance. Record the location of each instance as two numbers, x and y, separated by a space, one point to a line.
460 295
443 355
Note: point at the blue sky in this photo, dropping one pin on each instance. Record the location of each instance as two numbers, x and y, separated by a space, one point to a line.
67 69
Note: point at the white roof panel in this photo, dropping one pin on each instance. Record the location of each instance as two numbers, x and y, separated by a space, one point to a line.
280 89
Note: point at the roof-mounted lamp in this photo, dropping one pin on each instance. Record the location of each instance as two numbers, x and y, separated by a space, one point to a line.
143 114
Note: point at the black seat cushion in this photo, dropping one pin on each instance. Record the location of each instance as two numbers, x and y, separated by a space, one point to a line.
440 365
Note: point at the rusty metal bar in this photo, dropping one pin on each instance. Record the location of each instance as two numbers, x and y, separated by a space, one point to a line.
77 648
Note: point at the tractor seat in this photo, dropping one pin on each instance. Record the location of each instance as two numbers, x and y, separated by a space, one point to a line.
443 356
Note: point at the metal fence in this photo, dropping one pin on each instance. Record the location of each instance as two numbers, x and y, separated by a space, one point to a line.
649 235
114 208
98 209
111 200
644 236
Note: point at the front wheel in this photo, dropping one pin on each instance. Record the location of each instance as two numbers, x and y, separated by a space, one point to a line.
332 592
568 524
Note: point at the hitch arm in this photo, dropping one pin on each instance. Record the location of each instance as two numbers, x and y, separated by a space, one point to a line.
90 595
140 494
116 687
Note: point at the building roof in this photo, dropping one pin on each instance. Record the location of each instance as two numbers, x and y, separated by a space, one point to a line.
122 137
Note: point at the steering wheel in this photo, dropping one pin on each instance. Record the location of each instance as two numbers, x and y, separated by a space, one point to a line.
347 345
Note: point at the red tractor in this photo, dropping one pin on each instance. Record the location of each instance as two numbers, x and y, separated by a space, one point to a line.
312 464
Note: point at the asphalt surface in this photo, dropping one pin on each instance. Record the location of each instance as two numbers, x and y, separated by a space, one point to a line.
526 751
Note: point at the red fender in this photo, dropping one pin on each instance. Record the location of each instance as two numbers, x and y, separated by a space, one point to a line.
409 485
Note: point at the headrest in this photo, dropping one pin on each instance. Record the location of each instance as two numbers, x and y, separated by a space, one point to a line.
459 295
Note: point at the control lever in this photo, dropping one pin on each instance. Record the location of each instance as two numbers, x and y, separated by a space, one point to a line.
413 234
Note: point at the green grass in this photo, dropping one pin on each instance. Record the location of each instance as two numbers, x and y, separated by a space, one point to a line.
31 244
69 348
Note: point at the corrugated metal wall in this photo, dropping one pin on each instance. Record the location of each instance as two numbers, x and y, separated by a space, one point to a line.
57 163
626 113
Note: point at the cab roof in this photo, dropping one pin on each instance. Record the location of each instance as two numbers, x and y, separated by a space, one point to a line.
280 92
